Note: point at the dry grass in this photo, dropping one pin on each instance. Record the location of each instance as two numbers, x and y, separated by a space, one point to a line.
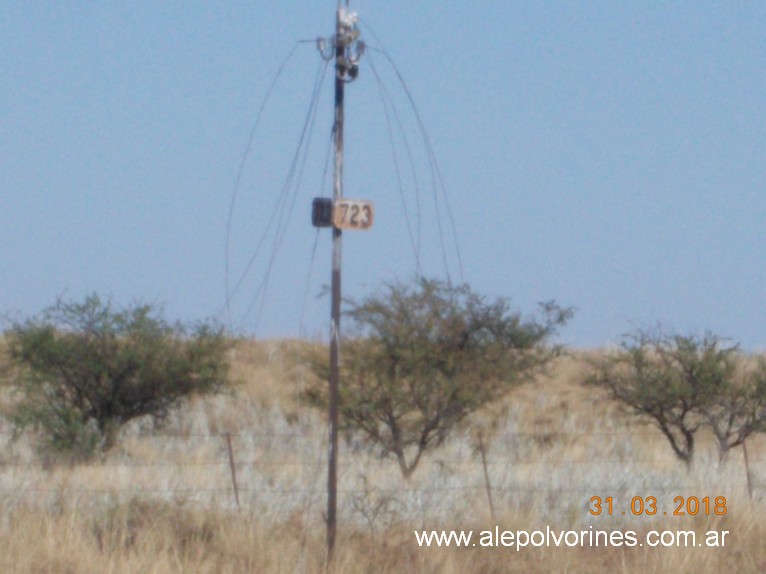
162 538
162 501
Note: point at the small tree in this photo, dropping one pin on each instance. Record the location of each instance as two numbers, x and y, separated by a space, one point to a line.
681 384
427 356
82 370
738 410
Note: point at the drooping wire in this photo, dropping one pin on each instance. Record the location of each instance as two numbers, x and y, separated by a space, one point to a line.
388 102
436 173
287 198
328 154
436 170
295 173
238 180
278 214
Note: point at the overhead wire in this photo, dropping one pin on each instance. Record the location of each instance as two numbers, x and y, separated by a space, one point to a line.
238 180
387 101
437 176
280 216
316 239
299 157
440 186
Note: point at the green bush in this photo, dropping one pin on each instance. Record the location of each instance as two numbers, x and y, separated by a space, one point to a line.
426 356
82 370
683 384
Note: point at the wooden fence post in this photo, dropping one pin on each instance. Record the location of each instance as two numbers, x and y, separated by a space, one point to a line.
747 470
233 469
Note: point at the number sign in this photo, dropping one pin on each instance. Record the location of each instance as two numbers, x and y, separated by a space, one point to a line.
352 214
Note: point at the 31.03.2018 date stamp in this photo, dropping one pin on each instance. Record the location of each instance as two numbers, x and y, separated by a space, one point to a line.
648 506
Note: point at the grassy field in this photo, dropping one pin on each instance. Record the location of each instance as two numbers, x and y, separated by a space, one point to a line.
163 500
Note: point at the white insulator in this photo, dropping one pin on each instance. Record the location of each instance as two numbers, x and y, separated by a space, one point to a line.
348 19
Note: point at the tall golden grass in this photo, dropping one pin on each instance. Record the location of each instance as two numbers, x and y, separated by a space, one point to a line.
163 501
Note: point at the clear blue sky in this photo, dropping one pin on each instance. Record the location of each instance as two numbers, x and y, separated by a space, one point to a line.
608 155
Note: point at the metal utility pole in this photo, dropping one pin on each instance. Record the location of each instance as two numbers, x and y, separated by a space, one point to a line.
339 214
337 245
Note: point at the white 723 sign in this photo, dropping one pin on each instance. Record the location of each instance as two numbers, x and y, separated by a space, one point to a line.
352 214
